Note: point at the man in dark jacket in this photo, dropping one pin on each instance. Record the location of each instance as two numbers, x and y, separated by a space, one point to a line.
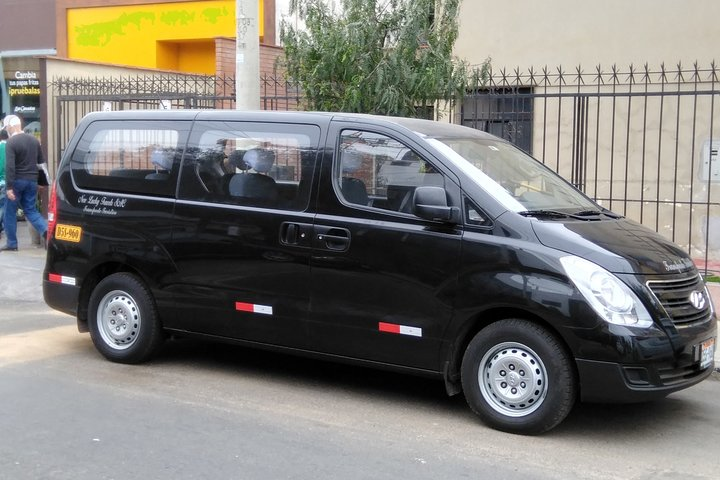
22 157
3 139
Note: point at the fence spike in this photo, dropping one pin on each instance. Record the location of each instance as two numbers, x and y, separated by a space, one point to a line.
713 72
679 74
579 73
631 74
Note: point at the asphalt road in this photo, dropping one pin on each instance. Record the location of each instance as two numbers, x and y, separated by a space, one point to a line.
223 412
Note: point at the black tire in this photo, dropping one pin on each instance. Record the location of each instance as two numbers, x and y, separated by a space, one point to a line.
518 378
123 320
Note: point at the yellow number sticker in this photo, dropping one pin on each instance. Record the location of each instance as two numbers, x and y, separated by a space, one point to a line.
69 233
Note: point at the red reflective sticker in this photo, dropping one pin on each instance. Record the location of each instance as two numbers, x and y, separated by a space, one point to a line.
389 327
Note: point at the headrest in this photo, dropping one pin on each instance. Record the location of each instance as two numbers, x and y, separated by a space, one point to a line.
351 160
161 160
236 160
410 156
259 159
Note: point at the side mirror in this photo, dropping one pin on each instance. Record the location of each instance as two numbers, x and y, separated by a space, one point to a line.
430 203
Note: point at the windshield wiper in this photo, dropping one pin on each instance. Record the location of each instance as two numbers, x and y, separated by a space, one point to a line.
557 214
604 211
544 213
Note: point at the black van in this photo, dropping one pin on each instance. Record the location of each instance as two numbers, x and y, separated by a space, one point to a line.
395 243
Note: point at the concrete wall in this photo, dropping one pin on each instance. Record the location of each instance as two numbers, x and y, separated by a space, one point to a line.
525 33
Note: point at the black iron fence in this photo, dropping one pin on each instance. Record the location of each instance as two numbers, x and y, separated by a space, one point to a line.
643 142
72 98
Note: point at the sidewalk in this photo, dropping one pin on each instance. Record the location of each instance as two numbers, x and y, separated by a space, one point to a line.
21 271
21 275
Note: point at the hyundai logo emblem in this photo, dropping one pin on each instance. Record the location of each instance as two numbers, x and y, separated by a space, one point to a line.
697 300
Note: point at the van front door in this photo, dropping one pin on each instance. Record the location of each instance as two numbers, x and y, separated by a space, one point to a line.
242 184
382 278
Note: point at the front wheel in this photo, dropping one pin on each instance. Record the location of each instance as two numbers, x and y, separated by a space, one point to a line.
123 320
518 378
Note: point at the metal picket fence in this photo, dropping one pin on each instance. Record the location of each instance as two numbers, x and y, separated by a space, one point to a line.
644 142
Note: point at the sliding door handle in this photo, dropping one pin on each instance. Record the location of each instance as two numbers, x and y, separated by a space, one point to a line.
332 238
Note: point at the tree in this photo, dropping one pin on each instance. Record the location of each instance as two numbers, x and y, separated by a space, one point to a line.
390 57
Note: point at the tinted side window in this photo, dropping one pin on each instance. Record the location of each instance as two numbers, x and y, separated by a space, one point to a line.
254 164
130 156
378 171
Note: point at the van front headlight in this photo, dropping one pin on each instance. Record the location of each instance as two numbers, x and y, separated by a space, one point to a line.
606 293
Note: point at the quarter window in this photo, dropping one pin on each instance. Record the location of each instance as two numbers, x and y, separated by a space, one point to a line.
135 157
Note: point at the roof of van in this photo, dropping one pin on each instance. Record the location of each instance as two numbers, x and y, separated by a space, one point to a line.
427 128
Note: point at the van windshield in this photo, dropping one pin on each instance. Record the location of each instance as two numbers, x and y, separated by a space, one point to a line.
517 180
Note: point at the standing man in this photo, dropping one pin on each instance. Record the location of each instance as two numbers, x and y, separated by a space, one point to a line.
22 157
3 138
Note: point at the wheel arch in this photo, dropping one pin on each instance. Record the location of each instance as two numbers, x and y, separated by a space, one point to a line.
482 320
93 277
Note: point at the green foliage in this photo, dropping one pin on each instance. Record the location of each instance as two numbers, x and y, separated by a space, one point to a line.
712 278
390 57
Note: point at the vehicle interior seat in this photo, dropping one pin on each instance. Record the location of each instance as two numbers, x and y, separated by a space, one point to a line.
162 162
257 187
399 198
353 189
210 171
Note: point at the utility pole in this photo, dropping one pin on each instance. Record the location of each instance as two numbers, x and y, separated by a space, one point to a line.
247 55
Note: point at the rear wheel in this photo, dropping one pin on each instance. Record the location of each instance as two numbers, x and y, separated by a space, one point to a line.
123 320
518 378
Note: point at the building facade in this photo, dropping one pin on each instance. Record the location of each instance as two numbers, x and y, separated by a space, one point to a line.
20 43
188 36
174 36
527 33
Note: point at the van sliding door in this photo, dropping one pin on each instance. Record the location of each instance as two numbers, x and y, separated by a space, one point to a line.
242 184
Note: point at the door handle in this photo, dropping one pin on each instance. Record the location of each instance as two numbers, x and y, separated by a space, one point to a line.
296 234
332 238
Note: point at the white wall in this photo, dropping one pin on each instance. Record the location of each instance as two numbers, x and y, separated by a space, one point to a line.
525 33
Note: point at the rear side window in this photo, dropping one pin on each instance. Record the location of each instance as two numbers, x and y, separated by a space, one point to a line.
130 156
267 165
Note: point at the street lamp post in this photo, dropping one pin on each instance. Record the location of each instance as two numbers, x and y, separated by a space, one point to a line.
247 56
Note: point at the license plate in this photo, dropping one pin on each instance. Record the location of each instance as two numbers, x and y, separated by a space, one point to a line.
69 233
707 353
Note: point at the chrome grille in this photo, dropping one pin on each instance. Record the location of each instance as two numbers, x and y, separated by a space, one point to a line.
674 295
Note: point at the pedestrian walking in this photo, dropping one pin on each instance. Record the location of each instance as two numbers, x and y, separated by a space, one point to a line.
23 158
3 140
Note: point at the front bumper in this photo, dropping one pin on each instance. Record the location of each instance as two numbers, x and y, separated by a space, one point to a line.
609 382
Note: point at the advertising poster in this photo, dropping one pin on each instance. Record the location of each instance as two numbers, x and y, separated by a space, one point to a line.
23 94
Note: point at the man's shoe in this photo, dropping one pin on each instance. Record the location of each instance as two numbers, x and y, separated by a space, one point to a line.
8 249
